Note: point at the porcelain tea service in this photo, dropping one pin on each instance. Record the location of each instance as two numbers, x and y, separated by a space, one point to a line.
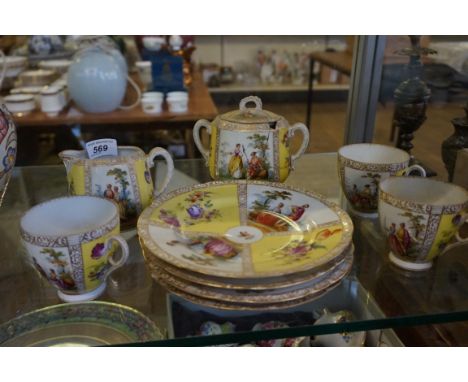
250 143
125 178
71 243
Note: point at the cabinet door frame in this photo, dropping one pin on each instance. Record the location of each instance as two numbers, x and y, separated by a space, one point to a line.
364 88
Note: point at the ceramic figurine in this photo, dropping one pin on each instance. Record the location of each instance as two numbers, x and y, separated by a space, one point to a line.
267 72
285 342
261 59
8 142
250 143
338 339
125 178
210 328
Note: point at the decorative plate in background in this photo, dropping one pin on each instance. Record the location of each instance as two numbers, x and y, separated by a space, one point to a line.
92 323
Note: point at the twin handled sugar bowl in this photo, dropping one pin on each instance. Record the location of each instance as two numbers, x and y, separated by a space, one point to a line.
250 143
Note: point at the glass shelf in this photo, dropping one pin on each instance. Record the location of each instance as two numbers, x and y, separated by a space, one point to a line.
380 295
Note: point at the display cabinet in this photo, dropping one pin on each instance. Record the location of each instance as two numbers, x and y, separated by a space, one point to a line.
394 307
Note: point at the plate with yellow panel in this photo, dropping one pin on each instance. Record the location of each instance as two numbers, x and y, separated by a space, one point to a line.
244 229
226 305
245 284
305 290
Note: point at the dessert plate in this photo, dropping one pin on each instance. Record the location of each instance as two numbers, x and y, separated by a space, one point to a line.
244 284
244 230
225 305
305 290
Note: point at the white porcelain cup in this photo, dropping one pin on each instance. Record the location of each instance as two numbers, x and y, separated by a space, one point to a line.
177 102
153 95
71 242
362 166
420 217
152 102
20 103
52 100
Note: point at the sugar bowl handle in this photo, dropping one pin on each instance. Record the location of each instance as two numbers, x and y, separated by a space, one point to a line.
159 151
244 101
196 136
305 139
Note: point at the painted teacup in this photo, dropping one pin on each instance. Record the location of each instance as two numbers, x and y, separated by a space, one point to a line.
71 242
362 166
420 217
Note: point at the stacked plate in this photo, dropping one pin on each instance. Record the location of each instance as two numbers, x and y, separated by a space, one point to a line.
246 245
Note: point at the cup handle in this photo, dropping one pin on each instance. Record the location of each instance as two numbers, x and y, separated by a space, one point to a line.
196 136
138 92
457 235
125 252
159 151
305 140
414 167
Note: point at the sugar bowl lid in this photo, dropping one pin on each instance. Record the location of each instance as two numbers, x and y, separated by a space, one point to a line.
250 115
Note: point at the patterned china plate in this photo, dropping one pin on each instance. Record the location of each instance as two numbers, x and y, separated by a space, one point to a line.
92 323
226 305
244 229
244 284
259 297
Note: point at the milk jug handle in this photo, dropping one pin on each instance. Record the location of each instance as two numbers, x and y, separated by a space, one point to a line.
155 152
